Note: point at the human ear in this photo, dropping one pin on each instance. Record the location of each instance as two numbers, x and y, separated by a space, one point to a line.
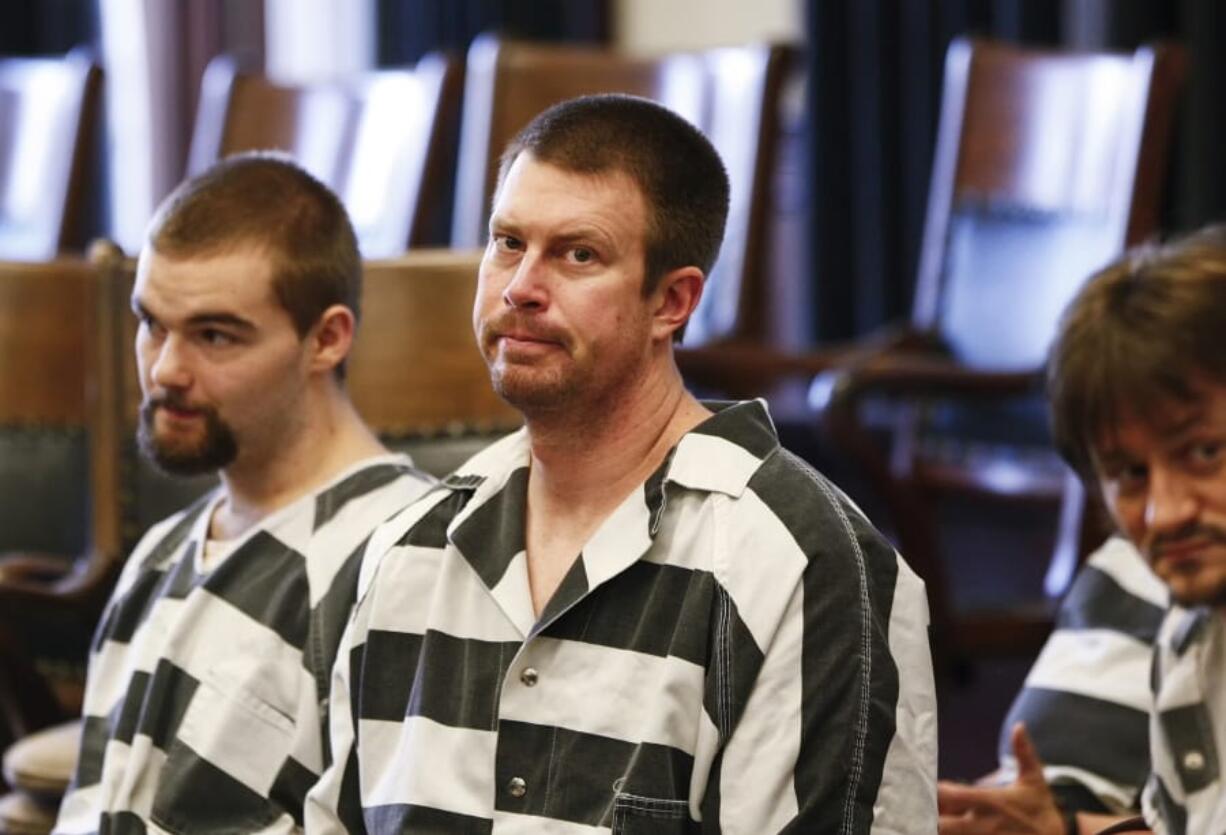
675 299
331 338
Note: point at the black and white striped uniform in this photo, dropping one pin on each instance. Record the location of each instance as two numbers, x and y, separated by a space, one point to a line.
204 703
1185 793
1086 699
735 644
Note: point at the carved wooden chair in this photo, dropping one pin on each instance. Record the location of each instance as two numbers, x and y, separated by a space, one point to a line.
382 140
48 116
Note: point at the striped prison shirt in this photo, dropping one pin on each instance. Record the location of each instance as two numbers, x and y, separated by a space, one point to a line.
1187 728
735 645
1086 700
204 705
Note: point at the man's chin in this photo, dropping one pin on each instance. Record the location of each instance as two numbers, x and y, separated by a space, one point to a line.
529 392
1188 592
187 460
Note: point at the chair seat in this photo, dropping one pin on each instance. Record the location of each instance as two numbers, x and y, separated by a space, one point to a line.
42 763
22 814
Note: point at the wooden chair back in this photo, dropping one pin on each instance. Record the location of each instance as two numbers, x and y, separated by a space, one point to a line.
731 93
48 115
416 374
1047 164
379 140
59 481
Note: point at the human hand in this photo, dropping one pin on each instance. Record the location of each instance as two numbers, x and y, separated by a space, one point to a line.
1024 807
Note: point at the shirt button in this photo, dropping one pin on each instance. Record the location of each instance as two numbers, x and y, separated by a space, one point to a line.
529 677
516 787
1194 761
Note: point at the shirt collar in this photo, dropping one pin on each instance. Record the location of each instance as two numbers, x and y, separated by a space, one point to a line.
720 455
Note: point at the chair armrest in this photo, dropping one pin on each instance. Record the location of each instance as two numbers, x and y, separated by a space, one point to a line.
924 375
745 369
30 581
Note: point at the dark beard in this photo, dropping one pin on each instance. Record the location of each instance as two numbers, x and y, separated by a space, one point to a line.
218 449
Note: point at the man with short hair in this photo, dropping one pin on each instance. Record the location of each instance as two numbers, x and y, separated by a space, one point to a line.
638 611
206 697
1137 379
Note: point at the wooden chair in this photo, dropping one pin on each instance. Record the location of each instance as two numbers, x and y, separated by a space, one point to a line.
731 93
382 140
416 374
1047 164
48 115
59 431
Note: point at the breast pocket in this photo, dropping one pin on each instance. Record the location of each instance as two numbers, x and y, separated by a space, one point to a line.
221 767
637 815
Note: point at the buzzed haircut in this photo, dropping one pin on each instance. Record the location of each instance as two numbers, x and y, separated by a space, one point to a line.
265 200
679 172
1147 331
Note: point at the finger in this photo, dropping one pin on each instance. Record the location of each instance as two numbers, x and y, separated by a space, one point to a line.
958 825
1029 766
956 799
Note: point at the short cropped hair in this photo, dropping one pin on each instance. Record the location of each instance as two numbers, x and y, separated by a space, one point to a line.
265 200
1145 332
679 172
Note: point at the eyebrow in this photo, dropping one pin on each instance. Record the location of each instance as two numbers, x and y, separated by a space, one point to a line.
207 318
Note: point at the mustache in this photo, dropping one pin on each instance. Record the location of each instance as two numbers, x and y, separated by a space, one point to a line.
513 321
1191 532
171 400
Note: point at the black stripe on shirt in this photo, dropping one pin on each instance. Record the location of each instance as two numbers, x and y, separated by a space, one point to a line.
183 577
1173 814
349 802
745 424
430 531
651 608
95 733
205 798
267 580
328 620
154 705
330 501
453 681
845 647
129 611
735 660
494 533
290 789
170 543
120 823
1098 601
424 820
1189 730
571 775
572 588
1103 737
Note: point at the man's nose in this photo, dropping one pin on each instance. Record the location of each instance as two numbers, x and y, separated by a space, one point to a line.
1171 503
170 367
528 288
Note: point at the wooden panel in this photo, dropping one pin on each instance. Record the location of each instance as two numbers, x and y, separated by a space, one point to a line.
416 367
46 330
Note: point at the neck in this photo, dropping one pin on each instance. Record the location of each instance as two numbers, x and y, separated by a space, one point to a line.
593 458
329 439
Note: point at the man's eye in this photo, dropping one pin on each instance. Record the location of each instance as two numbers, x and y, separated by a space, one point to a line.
582 255
508 243
1205 452
216 338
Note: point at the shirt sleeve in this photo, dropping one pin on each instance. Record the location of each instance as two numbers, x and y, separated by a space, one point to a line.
824 701
1085 701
